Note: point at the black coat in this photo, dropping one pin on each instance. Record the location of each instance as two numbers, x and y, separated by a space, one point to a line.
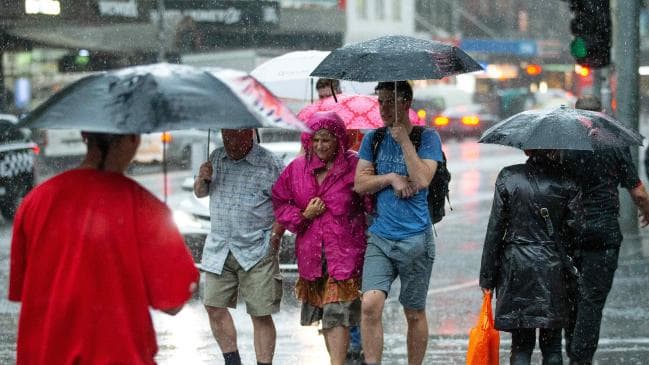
520 258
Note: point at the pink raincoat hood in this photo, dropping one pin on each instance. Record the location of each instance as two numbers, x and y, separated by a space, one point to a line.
341 228
331 122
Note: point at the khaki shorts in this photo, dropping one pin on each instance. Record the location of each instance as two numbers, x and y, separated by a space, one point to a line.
260 287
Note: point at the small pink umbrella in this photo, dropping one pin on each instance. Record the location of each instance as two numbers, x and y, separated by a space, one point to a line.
357 111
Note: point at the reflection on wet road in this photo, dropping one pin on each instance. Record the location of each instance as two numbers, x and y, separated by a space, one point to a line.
453 301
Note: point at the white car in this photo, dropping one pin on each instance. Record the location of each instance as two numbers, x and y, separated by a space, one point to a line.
192 216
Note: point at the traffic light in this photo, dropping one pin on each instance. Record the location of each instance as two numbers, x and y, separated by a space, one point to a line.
533 69
591 27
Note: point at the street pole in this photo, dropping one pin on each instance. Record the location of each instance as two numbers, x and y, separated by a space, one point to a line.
597 82
161 30
627 45
3 96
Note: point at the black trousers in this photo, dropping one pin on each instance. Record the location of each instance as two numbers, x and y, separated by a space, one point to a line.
597 268
524 340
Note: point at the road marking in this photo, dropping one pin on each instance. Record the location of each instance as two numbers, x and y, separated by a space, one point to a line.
444 289
449 288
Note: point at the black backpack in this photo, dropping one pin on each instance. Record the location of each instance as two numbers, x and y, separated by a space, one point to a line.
438 188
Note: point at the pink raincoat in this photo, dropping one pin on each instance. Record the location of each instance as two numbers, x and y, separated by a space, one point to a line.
341 228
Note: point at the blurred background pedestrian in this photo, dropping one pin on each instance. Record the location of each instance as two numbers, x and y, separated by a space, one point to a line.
598 174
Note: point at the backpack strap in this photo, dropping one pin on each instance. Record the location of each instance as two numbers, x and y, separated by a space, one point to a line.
415 136
379 135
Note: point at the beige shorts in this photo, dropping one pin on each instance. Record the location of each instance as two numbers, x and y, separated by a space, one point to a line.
260 287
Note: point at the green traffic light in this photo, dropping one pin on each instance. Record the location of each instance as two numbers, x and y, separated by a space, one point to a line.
82 60
578 48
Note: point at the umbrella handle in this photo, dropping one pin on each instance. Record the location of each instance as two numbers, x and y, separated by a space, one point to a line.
395 104
333 92
208 144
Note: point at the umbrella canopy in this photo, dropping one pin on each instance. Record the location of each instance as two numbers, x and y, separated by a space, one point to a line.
357 111
561 128
395 58
288 76
294 65
163 97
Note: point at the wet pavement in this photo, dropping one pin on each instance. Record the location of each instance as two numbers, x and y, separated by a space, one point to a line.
453 301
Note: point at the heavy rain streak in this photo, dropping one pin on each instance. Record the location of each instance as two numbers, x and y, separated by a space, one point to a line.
324 182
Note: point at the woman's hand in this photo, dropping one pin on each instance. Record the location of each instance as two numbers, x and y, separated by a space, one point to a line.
315 207
485 291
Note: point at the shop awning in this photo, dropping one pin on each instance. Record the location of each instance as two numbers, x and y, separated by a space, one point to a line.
120 38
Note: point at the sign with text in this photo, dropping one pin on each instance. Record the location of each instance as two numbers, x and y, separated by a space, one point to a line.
226 13
118 8
523 47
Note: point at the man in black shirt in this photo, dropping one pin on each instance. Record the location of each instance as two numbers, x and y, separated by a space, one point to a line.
598 174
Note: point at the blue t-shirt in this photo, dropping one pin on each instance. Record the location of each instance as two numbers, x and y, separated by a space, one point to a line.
400 218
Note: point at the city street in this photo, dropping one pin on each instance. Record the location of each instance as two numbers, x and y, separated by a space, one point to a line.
454 296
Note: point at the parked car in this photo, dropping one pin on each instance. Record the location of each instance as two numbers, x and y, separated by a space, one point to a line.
429 101
179 146
17 151
192 216
467 120
59 149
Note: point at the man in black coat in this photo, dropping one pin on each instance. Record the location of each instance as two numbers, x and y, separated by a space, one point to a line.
598 174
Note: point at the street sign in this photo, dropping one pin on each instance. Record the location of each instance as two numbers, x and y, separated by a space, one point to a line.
526 48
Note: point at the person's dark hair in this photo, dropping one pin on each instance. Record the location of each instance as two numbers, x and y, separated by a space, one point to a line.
327 83
404 89
102 141
589 102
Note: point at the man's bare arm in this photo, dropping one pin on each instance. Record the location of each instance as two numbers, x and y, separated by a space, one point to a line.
641 200
420 171
367 182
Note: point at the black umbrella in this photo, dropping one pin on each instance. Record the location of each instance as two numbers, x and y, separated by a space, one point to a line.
162 97
395 57
561 128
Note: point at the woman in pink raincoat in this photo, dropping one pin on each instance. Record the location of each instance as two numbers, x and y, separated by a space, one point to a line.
313 198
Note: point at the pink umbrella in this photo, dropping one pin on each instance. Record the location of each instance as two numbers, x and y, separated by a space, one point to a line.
357 111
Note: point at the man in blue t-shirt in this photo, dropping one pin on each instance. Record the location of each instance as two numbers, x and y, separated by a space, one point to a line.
400 239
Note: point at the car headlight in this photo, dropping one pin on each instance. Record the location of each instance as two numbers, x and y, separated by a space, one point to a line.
184 219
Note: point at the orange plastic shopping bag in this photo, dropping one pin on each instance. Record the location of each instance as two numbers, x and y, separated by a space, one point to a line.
484 339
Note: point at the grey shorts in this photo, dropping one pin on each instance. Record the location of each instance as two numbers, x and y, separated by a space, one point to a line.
260 287
411 259
336 314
